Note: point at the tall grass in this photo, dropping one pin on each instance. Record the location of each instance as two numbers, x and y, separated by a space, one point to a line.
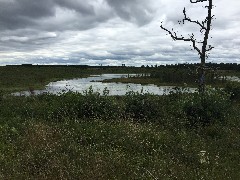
137 136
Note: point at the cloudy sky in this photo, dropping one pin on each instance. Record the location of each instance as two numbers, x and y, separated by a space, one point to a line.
112 32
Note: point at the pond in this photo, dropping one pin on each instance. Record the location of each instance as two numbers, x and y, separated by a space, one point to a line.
83 84
232 78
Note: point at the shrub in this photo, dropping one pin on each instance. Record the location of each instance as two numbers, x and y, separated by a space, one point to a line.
88 105
233 88
96 106
142 106
206 108
174 76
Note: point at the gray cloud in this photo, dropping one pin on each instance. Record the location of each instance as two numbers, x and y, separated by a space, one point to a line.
140 12
45 14
110 31
16 14
49 14
80 6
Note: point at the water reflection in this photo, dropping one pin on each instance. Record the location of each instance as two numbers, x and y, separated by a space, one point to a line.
232 78
83 84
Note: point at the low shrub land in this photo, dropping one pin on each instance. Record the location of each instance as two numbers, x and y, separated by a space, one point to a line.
136 136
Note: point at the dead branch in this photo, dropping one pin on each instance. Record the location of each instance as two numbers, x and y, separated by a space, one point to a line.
205 27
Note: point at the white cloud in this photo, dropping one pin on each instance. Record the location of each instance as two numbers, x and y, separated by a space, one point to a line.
110 32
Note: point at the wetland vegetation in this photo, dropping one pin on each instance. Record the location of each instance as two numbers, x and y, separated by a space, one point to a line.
135 136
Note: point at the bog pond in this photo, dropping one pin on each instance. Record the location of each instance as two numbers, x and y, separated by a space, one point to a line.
94 81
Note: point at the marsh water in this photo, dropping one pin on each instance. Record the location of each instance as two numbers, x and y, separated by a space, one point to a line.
82 85
94 82
232 78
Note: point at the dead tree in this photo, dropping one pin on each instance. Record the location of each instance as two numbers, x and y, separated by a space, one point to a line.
205 27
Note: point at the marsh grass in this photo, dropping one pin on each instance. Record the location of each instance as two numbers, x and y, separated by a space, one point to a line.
137 136
18 78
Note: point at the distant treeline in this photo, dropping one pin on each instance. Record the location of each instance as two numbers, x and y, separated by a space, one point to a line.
75 66
221 66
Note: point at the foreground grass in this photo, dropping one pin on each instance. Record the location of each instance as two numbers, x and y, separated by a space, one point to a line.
44 137
115 150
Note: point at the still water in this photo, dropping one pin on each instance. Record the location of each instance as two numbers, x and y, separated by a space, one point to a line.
82 84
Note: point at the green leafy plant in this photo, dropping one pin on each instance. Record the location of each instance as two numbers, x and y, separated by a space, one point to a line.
233 88
142 106
206 108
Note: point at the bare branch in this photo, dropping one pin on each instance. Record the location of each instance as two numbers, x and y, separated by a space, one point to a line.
197 1
191 39
196 22
209 6
210 48
205 25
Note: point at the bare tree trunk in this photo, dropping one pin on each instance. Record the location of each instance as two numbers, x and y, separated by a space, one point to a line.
204 47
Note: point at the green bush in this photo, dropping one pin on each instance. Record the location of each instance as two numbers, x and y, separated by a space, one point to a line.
142 107
88 105
206 108
96 106
233 88
178 107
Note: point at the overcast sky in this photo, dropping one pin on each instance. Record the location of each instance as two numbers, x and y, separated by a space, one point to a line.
112 32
